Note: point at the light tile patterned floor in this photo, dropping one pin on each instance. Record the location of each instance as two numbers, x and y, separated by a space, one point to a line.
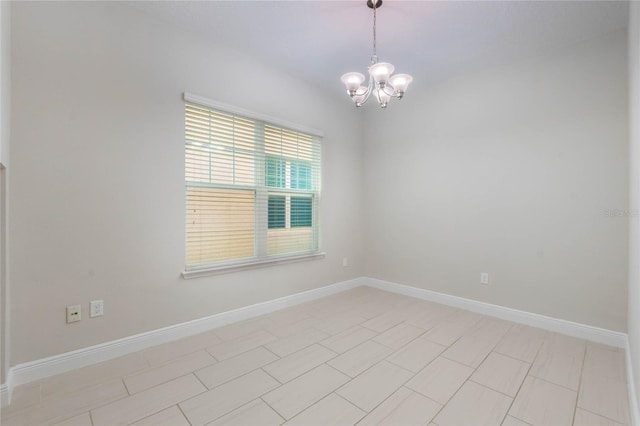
359 357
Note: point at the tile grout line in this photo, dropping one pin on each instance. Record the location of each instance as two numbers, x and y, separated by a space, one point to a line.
389 396
474 370
333 392
600 415
146 417
60 396
575 406
555 384
183 413
125 385
280 385
440 355
228 412
366 413
295 335
470 379
110 402
212 355
107 403
374 408
24 410
341 353
447 346
268 350
170 379
522 384
230 380
154 386
483 359
268 405
304 372
201 382
366 369
279 382
151 366
512 357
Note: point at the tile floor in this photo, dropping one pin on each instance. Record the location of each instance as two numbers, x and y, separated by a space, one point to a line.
359 357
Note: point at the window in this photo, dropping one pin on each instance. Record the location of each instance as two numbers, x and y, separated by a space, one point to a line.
252 189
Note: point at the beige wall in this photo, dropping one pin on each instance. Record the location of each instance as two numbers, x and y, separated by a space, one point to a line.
5 79
5 125
508 170
97 201
634 191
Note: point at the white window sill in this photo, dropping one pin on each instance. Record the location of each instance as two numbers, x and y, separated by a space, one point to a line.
253 264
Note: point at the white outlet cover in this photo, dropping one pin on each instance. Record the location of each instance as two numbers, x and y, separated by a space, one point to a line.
74 313
484 278
97 308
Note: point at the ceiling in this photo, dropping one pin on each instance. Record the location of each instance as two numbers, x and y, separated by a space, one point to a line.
318 41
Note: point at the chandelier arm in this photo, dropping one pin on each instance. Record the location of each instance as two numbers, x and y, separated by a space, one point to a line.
394 94
368 92
366 97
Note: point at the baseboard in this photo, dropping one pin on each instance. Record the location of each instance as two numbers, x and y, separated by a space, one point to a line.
42 368
633 396
6 389
594 334
4 394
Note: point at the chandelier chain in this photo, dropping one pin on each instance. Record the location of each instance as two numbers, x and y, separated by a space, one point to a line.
375 55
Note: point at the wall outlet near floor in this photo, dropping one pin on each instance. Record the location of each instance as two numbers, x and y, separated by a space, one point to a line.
74 313
484 278
97 308
345 262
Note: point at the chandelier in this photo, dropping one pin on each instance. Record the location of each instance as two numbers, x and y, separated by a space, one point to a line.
382 83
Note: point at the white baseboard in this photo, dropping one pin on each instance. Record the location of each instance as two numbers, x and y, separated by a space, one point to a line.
595 334
4 394
39 369
633 396
6 389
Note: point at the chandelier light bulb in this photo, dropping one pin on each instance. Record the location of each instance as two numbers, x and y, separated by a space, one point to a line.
352 80
360 96
400 82
382 83
381 72
382 97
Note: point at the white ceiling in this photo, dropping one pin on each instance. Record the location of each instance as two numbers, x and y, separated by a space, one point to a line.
320 40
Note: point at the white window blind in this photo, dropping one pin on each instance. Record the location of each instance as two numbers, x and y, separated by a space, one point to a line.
252 189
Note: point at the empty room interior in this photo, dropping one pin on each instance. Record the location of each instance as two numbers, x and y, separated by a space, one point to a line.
377 212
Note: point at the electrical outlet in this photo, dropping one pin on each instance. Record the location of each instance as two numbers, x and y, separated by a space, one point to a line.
74 313
345 262
97 308
484 278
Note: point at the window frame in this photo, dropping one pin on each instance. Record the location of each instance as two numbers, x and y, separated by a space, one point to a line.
263 190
